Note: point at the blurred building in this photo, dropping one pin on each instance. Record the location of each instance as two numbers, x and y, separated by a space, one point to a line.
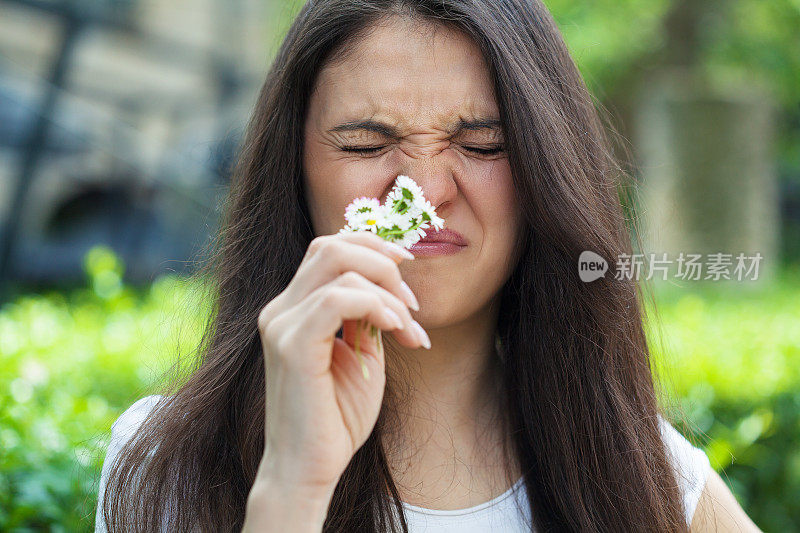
118 123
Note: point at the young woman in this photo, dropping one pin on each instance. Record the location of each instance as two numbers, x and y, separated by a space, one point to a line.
523 402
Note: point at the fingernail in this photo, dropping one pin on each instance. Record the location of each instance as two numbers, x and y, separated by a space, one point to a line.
413 303
391 315
423 337
398 250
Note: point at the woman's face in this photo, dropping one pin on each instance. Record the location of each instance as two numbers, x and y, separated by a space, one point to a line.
402 93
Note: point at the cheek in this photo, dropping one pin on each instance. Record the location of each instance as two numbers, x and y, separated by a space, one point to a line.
496 199
321 190
500 219
498 213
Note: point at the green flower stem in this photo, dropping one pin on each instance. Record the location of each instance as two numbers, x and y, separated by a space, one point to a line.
382 232
375 333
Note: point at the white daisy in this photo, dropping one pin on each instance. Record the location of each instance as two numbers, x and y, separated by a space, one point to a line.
411 237
359 206
363 214
434 221
368 223
391 219
422 205
405 182
405 190
397 202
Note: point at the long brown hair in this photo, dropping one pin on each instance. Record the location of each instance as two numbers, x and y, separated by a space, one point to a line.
577 376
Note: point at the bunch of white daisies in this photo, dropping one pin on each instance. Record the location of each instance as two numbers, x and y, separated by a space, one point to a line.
401 219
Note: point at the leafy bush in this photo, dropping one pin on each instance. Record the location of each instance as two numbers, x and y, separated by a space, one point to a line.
71 363
729 361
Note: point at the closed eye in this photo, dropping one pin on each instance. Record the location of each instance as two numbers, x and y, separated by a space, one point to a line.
372 149
484 151
362 149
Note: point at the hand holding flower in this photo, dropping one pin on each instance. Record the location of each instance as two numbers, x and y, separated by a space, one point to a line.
402 219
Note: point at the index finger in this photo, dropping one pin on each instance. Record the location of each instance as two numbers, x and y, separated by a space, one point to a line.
368 239
329 256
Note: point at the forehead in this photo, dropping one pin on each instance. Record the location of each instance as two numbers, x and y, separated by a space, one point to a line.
413 75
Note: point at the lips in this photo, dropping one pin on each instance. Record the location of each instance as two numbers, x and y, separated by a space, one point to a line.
444 235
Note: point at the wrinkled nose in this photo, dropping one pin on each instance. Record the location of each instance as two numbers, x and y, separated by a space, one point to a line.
435 170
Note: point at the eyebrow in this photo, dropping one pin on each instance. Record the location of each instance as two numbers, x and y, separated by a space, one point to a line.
388 130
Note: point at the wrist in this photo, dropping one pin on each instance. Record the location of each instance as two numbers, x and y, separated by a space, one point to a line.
286 506
288 475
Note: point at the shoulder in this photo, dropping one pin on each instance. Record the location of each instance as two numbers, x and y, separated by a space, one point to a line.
718 510
126 425
690 464
130 420
123 428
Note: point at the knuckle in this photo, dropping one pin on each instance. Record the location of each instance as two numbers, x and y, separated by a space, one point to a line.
269 333
316 244
376 301
325 248
267 313
329 298
271 346
325 242
281 351
264 317
330 249
350 278
278 336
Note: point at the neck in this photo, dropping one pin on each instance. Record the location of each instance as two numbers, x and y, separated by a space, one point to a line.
457 376
447 399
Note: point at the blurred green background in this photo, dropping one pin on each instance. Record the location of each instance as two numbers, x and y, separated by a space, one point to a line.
75 354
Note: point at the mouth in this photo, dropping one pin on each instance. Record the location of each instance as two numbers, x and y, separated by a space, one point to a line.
444 236
440 242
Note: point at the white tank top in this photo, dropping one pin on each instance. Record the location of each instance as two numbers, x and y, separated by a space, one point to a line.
507 513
